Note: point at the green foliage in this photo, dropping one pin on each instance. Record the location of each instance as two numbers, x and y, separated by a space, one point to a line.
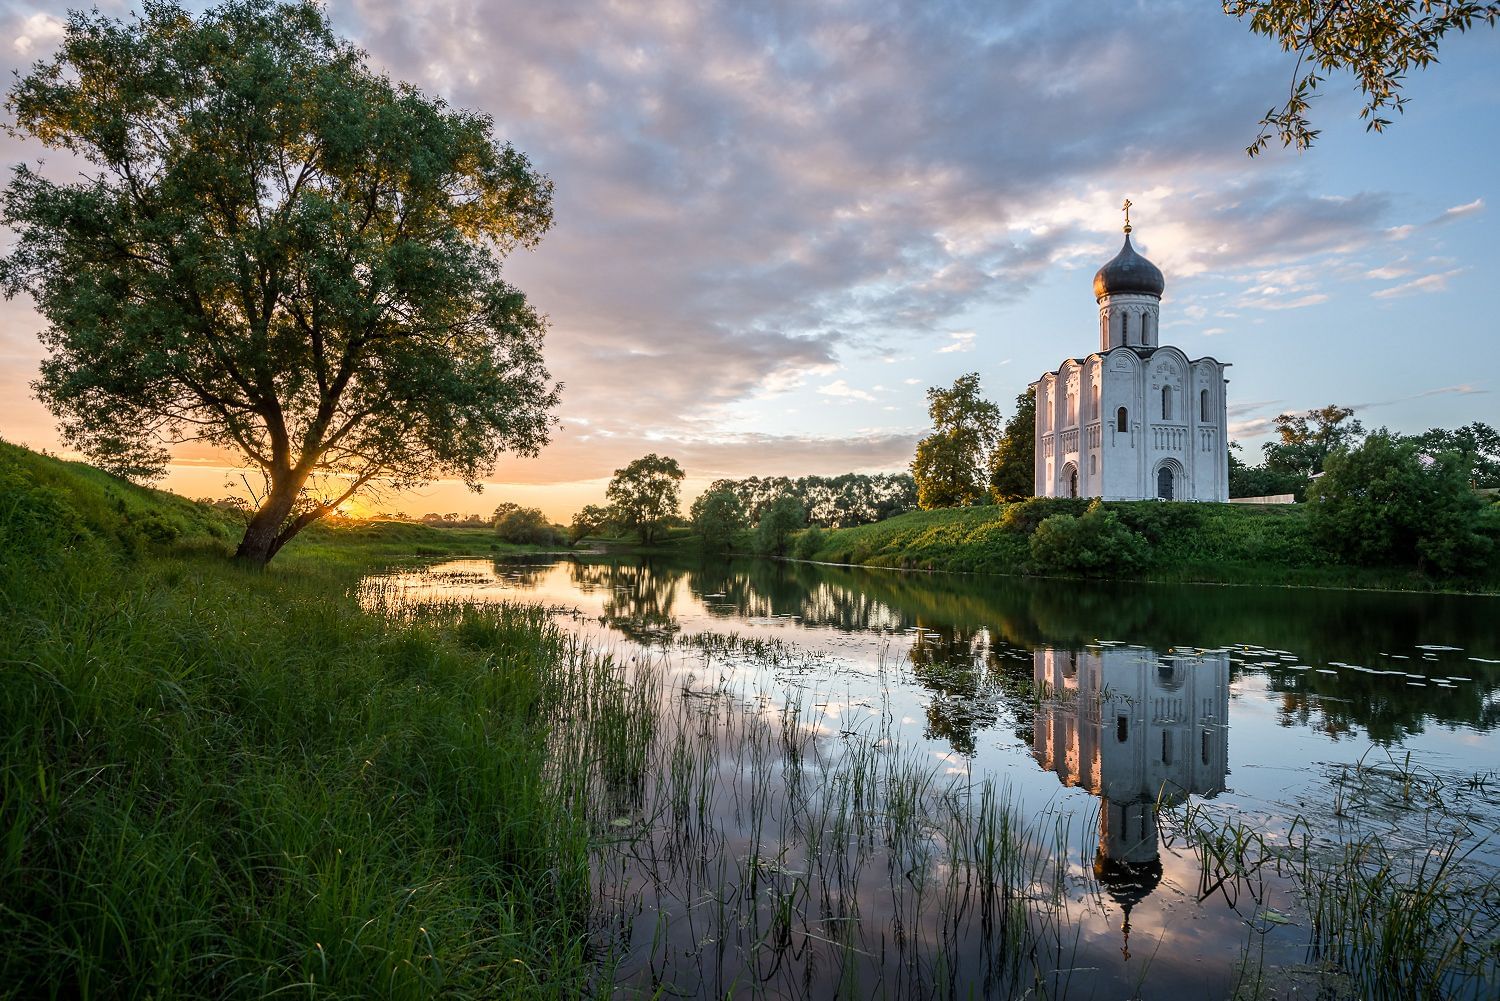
527 526
1386 502
216 783
951 463
1261 481
1097 544
808 543
276 251
643 496
1023 517
1159 522
1013 466
1479 444
717 516
776 526
1306 440
1378 43
589 521
831 501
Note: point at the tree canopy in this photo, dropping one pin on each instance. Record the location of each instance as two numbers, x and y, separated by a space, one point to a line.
830 501
717 515
1013 466
952 464
1307 439
644 495
1378 41
277 251
1386 501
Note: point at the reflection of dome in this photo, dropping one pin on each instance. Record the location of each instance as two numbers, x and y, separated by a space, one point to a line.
1127 883
1129 272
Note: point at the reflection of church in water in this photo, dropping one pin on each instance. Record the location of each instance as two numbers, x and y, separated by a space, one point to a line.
1135 728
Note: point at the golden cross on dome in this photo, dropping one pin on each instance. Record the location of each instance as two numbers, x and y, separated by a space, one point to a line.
1126 206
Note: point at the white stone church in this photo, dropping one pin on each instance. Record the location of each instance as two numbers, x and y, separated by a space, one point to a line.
1135 419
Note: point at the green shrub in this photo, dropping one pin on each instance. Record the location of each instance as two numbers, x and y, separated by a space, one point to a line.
808 543
1095 544
1024 517
1158 521
1387 503
527 526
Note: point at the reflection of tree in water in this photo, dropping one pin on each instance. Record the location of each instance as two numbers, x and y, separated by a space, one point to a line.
973 684
638 597
523 574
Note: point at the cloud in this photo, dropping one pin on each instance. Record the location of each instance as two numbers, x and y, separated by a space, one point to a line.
842 389
1462 389
1437 282
1461 211
38 33
961 340
750 196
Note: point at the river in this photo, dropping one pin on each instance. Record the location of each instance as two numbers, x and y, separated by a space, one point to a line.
1112 718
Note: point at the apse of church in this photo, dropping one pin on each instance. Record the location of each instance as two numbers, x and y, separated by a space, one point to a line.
1135 419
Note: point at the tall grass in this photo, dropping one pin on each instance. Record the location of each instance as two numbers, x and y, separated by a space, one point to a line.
220 783
1396 900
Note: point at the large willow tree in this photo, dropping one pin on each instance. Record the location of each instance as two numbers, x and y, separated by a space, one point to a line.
273 249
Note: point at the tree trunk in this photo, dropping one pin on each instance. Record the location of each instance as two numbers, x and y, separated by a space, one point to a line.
264 535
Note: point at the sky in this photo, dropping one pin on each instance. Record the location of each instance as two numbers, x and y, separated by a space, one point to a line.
777 224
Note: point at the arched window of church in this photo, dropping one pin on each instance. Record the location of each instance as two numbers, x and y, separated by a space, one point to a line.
1166 747
1072 407
1203 405
1122 728
1093 464
1124 328
1204 743
1166 403
1122 420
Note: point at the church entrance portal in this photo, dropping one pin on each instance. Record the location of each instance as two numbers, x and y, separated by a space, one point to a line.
1164 483
1073 483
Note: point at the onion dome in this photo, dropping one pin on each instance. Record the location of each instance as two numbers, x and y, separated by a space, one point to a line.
1128 272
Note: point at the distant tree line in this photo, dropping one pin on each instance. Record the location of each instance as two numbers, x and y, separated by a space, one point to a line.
827 501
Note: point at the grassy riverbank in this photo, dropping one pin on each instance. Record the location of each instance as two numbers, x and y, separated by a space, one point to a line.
1210 543
217 782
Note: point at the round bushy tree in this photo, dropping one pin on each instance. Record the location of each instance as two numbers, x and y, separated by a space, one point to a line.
776 526
717 516
275 250
1096 544
1388 502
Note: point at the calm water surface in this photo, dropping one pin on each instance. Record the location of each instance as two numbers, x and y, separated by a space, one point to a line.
1100 709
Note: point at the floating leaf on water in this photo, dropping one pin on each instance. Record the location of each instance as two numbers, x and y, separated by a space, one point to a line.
1276 917
1436 646
622 822
1484 660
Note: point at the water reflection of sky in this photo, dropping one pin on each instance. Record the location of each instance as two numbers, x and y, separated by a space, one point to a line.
1095 701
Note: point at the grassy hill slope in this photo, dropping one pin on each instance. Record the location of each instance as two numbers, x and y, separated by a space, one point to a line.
1214 543
222 782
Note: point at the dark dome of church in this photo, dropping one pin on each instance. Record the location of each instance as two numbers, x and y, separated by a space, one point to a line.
1128 272
1127 883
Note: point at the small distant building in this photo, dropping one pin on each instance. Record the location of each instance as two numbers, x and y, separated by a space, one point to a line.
1136 419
